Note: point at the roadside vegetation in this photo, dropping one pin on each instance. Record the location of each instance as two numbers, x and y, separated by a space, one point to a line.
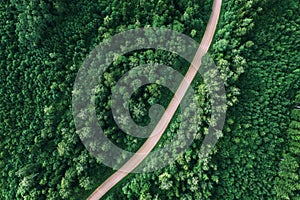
256 48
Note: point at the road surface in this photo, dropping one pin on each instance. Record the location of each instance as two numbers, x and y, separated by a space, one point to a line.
146 148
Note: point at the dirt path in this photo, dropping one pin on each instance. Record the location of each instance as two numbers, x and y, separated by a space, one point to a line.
146 148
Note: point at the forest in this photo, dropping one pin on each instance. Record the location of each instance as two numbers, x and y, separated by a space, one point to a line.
255 48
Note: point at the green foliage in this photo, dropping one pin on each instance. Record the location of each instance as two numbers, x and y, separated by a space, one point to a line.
257 140
288 180
43 44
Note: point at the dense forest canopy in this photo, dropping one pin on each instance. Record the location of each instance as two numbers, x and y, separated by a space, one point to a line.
256 49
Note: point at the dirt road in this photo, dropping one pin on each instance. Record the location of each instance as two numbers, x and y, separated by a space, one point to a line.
146 148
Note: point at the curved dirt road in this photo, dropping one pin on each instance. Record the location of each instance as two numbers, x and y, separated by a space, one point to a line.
146 148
